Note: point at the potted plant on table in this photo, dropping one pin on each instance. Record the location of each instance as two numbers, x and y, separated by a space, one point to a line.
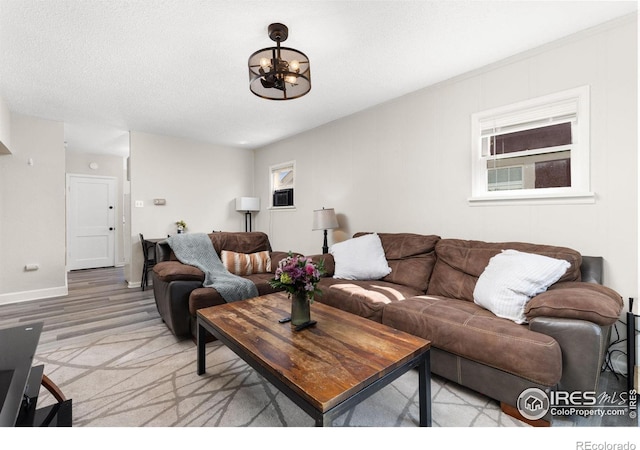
181 224
299 276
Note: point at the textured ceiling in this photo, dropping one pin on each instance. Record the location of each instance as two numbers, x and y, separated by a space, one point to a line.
179 67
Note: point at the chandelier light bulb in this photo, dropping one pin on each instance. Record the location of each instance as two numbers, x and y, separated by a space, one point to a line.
294 65
265 62
292 79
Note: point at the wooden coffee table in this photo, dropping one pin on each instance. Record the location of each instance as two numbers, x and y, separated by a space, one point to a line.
325 369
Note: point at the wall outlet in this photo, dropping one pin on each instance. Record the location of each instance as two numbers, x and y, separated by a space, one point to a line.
31 267
139 204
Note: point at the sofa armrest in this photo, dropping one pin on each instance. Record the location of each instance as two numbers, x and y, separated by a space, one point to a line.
169 271
577 300
583 345
329 263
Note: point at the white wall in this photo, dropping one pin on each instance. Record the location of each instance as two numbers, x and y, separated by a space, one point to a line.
198 181
32 211
405 165
5 127
108 166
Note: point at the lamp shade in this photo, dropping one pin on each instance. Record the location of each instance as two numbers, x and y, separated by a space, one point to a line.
324 219
247 203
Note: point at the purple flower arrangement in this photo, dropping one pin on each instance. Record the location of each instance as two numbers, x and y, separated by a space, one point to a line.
297 273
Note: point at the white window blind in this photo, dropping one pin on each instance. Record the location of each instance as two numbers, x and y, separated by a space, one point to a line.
535 117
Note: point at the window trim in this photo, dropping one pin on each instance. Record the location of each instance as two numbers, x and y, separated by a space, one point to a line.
273 169
531 112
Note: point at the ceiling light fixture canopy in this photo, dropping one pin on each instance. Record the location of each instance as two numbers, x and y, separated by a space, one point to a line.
279 73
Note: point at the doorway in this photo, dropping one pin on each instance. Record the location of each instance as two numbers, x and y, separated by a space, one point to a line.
91 207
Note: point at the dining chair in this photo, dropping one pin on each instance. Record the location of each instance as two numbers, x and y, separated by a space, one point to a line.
149 254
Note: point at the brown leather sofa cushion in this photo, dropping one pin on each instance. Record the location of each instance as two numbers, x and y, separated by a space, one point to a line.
241 242
585 301
251 242
276 257
169 271
465 329
207 296
328 262
410 256
364 298
461 262
174 270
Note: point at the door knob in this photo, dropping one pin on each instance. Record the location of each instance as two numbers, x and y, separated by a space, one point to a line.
110 228
110 207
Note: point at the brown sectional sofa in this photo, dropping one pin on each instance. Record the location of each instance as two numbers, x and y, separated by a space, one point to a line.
429 293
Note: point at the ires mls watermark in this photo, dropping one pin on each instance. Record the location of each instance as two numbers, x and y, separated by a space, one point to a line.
534 403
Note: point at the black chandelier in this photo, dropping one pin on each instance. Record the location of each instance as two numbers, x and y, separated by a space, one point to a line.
279 73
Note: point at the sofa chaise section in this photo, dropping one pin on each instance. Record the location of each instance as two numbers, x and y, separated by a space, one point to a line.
470 331
561 347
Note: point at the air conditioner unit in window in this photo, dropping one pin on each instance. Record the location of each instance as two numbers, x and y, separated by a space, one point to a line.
283 197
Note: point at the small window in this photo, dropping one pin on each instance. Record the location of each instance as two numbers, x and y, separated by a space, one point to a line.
535 149
282 185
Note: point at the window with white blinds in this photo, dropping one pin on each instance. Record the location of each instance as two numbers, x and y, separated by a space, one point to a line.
536 149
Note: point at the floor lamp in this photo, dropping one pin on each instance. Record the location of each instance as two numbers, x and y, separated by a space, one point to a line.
325 219
247 204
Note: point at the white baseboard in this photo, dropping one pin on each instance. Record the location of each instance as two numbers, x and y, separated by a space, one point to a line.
38 294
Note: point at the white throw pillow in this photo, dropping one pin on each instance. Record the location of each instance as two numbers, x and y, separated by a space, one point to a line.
360 258
512 278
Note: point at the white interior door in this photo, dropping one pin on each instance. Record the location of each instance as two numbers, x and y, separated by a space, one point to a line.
90 222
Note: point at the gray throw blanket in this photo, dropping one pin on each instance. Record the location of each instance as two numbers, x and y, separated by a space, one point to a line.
196 249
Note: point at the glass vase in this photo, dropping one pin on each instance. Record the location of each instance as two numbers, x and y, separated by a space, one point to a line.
300 308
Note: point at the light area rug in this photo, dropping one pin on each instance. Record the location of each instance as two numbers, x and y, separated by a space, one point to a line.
147 378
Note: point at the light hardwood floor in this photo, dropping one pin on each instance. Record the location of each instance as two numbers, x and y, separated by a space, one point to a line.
98 301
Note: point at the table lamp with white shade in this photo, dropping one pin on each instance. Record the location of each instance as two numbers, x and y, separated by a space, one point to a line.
325 219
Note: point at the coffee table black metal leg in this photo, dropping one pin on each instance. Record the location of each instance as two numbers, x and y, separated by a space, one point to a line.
324 421
201 342
424 391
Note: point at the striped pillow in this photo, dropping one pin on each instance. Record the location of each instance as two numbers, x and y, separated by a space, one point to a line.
512 278
246 263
